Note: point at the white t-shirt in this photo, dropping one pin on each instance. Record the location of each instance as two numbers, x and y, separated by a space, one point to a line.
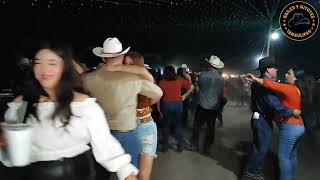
88 125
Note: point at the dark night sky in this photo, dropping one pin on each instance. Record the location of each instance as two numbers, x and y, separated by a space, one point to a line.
167 32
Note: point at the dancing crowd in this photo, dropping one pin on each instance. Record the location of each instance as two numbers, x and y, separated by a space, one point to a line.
86 125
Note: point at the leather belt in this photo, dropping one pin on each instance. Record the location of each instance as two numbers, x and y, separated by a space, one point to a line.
143 111
145 120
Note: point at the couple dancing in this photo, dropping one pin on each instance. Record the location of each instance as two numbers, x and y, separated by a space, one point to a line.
273 101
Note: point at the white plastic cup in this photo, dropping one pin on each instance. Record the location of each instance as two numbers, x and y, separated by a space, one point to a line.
18 137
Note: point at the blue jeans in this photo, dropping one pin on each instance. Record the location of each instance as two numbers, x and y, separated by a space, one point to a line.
147 134
130 143
289 136
172 113
262 136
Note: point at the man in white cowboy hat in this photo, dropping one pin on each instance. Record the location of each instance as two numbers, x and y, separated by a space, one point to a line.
211 86
186 70
185 67
117 92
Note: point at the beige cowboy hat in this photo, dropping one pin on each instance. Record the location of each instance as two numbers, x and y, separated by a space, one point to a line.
112 47
147 66
184 66
215 62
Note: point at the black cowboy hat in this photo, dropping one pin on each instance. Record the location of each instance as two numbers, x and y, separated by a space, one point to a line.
267 62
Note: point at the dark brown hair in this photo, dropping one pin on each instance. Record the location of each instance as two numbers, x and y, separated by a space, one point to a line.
169 73
70 81
137 58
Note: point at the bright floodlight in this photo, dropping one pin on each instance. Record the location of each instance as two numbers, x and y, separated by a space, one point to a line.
225 76
233 76
275 36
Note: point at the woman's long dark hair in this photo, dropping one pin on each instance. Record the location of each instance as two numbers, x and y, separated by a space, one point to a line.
180 73
169 73
70 81
304 84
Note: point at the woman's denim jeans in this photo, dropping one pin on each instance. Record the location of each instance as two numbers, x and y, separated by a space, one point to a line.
172 113
289 136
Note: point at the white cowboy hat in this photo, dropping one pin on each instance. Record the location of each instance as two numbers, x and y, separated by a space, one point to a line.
147 66
215 62
112 47
184 66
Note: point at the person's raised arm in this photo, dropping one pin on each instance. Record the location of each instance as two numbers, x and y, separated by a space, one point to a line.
274 102
151 90
274 86
134 69
251 77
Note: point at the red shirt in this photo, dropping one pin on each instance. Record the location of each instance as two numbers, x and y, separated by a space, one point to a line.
172 89
289 97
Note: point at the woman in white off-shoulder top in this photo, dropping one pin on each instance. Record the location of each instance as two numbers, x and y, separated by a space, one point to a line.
66 124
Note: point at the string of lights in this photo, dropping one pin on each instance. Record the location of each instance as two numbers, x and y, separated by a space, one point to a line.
246 21
169 15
